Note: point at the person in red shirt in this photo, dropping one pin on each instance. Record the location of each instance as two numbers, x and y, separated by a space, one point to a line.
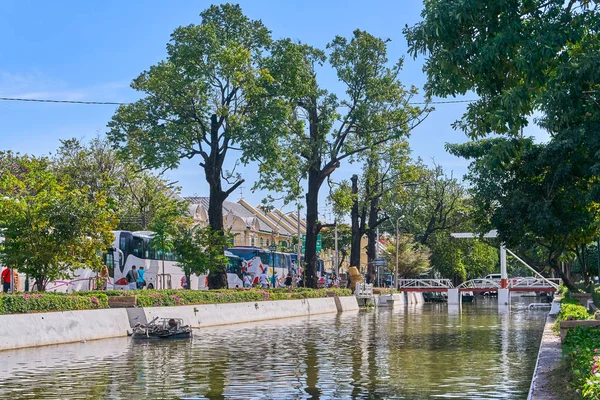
5 279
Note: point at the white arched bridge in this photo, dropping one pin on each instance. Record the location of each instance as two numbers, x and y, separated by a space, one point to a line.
531 284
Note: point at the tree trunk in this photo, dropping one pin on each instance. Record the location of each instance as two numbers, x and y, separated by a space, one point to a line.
554 263
356 234
39 283
312 229
217 276
372 239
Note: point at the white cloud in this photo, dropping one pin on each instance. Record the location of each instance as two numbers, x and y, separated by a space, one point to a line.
35 85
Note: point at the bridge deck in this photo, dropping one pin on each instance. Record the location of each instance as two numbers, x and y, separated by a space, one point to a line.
547 289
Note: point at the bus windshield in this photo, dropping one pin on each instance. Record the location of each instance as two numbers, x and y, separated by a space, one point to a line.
244 254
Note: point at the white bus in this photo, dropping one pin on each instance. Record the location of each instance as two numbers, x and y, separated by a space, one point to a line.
256 260
135 248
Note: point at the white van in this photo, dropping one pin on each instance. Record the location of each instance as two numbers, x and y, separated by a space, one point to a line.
493 277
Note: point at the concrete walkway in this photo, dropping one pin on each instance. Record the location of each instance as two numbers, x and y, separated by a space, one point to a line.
549 358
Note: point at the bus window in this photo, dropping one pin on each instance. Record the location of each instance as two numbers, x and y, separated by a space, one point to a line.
233 266
265 257
123 244
277 260
244 254
288 262
138 247
109 261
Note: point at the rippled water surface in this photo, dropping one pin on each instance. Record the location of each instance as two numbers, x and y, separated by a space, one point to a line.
414 352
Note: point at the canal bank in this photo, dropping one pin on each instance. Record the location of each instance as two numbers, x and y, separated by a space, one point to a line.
41 329
548 360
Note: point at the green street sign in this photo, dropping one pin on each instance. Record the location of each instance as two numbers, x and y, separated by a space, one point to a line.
318 243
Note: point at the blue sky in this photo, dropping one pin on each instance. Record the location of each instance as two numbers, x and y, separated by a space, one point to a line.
78 50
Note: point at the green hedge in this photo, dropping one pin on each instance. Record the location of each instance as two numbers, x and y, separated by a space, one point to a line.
581 348
171 297
571 309
41 302
174 297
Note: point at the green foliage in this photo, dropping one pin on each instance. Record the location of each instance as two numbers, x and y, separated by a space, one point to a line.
562 290
520 58
136 196
596 296
51 226
172 297
581 348
199 249
571 309
413 257
461 258
45 302
344 240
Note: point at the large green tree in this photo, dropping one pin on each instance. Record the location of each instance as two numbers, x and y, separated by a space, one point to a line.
322 129
524 57
50 226
196 104
387 171
413 258
137 196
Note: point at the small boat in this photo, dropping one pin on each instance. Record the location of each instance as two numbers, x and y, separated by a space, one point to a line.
468 297
162 328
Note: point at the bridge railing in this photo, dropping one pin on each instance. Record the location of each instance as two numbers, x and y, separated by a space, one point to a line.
425 283
533 282
479 284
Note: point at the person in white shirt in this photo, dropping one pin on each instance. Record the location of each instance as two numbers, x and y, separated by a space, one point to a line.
247 281
264 280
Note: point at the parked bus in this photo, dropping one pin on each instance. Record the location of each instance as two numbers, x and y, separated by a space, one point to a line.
256 260
135 248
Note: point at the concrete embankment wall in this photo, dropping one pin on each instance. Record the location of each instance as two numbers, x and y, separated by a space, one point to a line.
40 329
549 357
205 315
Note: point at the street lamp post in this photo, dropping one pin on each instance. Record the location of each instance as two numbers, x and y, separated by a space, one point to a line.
397 250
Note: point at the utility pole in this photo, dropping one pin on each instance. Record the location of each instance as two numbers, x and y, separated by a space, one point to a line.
397 249
337 272
298 260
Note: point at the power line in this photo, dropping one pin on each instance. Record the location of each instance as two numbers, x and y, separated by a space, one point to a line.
114 103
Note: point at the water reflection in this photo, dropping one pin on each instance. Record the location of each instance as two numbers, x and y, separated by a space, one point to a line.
412 352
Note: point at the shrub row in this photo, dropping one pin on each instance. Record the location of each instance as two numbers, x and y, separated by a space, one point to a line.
571 309
170 297
581 349
41 302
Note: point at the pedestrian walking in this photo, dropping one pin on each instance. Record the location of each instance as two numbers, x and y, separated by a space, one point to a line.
264 280
5 280
141 281
247 281
132 277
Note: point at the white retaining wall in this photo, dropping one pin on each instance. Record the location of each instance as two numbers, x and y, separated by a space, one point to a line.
347 303
399 299
200 316
414 298
40 329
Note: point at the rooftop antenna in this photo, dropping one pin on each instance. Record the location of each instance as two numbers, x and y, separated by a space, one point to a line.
242 192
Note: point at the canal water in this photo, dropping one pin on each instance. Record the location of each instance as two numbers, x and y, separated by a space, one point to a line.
414 352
